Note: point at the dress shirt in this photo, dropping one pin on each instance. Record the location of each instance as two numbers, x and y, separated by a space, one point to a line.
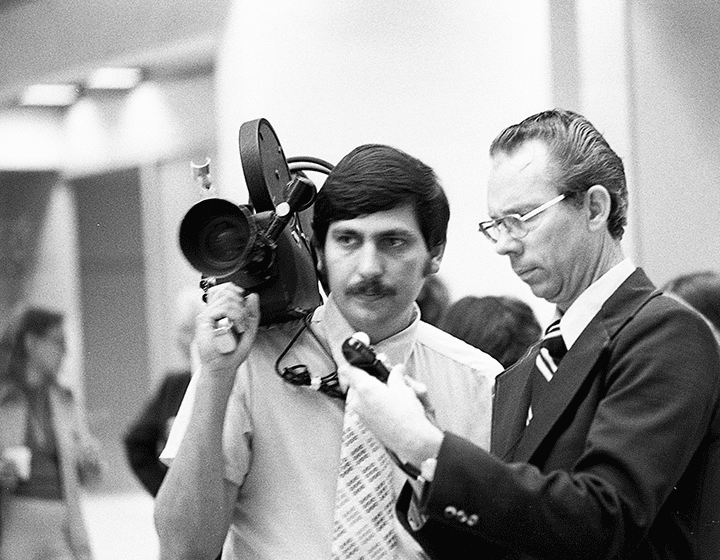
587 305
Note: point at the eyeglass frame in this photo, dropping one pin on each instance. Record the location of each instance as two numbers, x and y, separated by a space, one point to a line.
486 225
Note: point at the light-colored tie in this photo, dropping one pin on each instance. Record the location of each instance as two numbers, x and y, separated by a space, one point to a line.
552 350
364 502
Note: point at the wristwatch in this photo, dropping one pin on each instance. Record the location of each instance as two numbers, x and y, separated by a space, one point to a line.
424 474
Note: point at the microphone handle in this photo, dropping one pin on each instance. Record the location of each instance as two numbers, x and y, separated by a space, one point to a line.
362 356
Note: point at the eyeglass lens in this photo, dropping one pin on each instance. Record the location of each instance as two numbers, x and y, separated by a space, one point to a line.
514 227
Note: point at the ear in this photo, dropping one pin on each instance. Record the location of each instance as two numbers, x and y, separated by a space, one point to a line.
319 257
317 254
598 204
436 255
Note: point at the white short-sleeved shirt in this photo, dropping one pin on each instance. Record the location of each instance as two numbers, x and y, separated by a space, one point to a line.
282 442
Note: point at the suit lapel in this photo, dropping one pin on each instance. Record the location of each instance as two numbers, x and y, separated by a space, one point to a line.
511 439
572 372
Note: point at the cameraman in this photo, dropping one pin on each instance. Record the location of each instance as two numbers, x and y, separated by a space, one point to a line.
257 468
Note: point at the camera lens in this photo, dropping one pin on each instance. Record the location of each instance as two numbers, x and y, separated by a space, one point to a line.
223 241
216 235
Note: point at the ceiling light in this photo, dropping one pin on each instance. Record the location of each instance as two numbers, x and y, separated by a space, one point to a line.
50 95
114 78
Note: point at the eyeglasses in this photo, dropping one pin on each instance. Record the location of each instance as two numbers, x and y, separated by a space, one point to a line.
514 224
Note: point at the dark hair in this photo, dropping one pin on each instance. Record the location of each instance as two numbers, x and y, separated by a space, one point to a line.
502 326
700 290
13 355
375 177
581 157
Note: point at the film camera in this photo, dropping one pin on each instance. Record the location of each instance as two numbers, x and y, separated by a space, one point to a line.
264 246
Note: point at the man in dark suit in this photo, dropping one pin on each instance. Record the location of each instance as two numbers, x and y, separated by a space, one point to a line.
147 434
611 450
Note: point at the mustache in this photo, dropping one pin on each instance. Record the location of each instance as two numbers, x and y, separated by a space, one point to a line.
371 287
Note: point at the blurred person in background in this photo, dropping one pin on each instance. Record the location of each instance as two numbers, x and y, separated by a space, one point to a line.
700 290
46 449
147 435
502 326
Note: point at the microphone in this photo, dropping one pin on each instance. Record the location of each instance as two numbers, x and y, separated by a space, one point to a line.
357 352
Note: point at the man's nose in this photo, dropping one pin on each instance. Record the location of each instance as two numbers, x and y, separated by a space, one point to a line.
370 262
505 243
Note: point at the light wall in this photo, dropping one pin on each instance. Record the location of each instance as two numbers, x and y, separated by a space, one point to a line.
155 122
676 115
440 80
436 79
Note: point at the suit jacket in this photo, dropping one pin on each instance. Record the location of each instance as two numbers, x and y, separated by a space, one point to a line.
147 435
621 461
72 436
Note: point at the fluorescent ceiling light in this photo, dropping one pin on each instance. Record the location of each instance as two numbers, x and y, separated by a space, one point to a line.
50 95
114 78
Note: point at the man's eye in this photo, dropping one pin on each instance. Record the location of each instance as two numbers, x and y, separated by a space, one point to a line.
394 242
346 240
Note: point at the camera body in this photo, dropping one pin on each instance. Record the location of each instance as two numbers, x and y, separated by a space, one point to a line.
264 246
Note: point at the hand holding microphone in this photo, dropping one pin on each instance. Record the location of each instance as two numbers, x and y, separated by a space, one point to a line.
397 410
359 353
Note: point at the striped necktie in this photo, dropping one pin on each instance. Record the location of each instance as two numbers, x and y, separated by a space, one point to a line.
552 350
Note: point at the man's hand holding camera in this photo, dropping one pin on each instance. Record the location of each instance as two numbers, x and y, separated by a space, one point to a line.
229 307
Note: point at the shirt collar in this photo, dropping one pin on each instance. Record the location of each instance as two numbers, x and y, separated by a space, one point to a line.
334 330
587 305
